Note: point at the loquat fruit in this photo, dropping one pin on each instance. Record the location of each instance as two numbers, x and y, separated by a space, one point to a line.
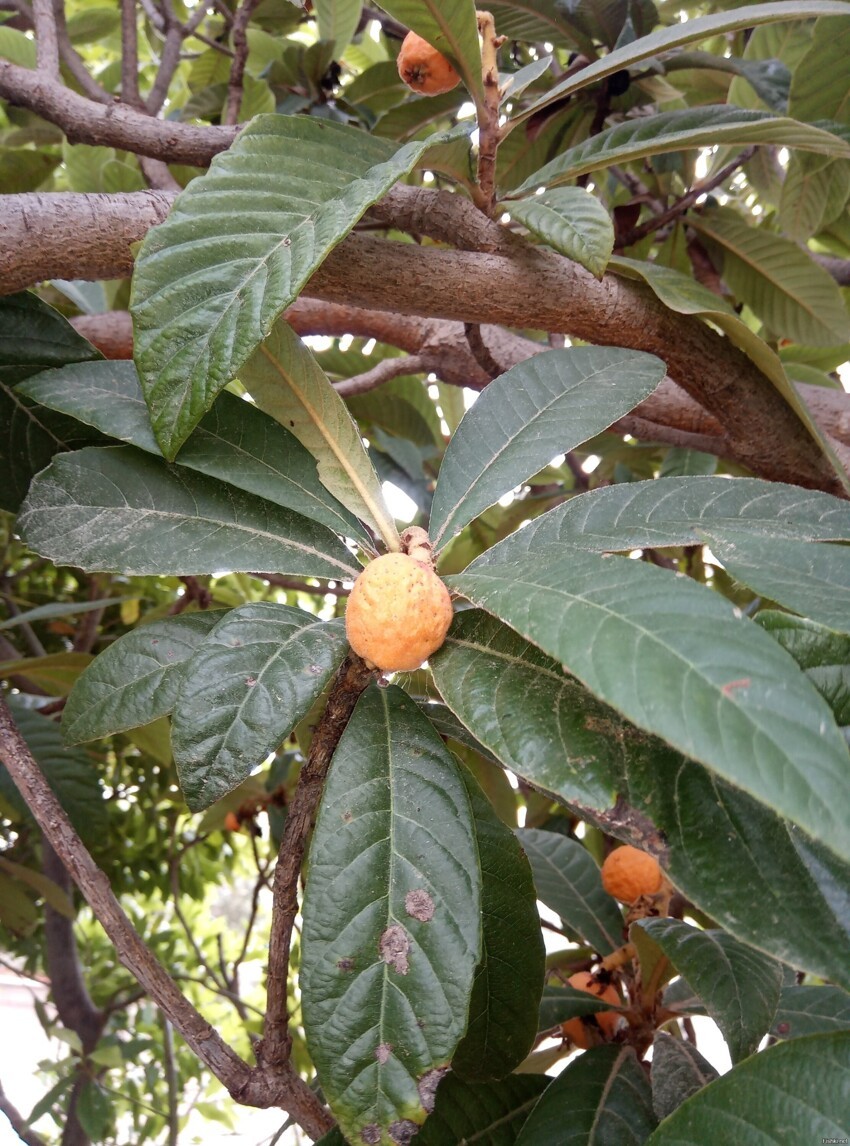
398 613
628 874
424 69
576 1030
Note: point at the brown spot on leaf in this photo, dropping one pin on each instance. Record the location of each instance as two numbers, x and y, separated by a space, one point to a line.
347 816
345 964
403 1131
419 904
394 948
427 1087
382 1053
371 1134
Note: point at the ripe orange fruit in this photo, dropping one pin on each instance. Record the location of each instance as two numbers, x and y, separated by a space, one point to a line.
232 823
575 1029
398 613
424 69
628 873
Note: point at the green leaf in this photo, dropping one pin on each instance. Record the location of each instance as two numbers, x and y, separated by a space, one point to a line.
51 892
95 1110
121 510
546 405
572 221
787 290
809 578
17 47
738 985
601 1099
678 661
238 246
70 773
449 26
568 882
678 1071
676 36
24 169
391 920
559 1004
811 1011
234 442
92 25
481 1114
823 654
818 87
243 689
814 192
724 848
672 512
33 336
683 295
62 609
338 20
135 679
675 131
802 1088
520 704
532 20
506 992
56 673
286 382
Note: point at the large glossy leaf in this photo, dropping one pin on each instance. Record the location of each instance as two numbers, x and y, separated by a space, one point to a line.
338 20
678 1071
391 937
532 20
481 1114
243 689
809 578
33 336
682 294
602 1099
451 27
520 704
286 382
811 1011
787 290
237 248
70 772
675 131
568 882
135 679
543 406
738 985
803 1089
120 509
822 653
572 221
679 34
818 88
678 661
814 192
506 991
672 511
234 442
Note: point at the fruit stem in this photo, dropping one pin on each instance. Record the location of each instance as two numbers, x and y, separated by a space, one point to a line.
489 133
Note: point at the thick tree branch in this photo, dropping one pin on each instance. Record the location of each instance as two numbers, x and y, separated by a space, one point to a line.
111 124
351 680
251 1087
46 39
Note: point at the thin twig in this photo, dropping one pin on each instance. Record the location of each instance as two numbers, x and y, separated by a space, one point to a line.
72 60
239 36
171 1080
46 38
480 350
18 1122
129 54
685 201
489 134
298 586
382 372
350 681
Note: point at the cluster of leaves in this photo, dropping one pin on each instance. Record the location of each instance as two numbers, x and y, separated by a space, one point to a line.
701 716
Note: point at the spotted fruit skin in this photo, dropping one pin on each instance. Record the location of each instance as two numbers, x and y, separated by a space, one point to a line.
398 613
424 69
628 873
608 1021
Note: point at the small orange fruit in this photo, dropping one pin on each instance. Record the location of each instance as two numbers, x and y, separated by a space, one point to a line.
628 873
424 69
575 1029
398 613
232 823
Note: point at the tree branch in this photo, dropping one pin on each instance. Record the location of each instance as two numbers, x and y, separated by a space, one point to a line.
111 124
350 681
18 1122
239 36
251 1087
380 373
46 39
129 55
